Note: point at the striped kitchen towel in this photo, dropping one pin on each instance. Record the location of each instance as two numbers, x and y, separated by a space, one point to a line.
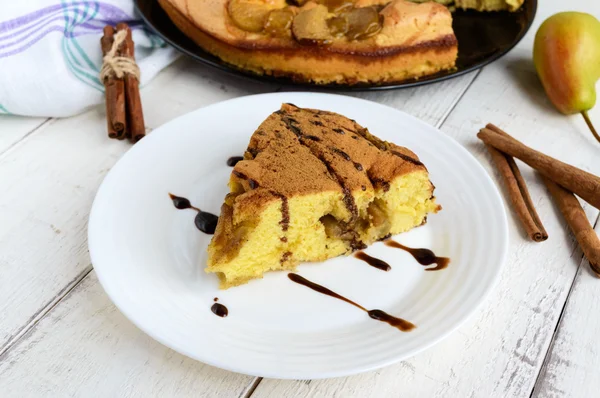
50 54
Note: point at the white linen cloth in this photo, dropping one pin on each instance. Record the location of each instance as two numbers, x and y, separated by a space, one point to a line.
50 55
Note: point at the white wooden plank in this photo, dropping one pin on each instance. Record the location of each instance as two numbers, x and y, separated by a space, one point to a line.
188 85
571 368
14 128
431 103
87 348
499 352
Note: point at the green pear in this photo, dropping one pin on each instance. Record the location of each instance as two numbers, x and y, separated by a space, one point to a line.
566 54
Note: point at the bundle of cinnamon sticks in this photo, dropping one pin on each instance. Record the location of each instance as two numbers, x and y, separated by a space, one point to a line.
563 181
120 76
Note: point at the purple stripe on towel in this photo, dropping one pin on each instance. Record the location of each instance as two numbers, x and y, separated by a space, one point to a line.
43 19
49 17
106 12
22 20
30 43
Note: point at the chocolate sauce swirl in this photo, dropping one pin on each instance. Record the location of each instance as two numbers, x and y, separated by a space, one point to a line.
372 261
204 221
252 183
423 256
232 161
219 310
378 315
408 158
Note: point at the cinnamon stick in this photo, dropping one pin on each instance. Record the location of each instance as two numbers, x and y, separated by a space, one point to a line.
114 93
578 222
519 194
136 129
581 183
522 184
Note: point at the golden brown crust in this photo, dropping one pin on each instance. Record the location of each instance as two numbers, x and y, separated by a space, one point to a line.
402 50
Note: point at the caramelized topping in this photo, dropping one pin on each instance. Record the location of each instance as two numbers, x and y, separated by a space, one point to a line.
378 217
310 26
363 23
279 22
232 246
338 26
376 214
315 24
336 229
337 6
248 16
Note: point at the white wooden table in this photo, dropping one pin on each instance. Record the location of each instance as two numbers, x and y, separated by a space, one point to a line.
61 336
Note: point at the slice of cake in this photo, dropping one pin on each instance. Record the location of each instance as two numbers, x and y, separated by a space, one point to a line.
314 185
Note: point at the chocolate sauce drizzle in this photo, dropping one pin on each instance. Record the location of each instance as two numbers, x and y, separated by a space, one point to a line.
341 153
205 222
285 214
380 183
379 315
381 145
219 310
423 256
252 183
408 158
372 261
254 151
285 257
232 161
292 125
347 157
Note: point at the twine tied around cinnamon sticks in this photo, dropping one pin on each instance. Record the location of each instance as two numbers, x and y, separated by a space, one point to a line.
120 75
118 66
563 182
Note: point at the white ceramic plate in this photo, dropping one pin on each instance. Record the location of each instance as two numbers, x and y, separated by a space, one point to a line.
150 258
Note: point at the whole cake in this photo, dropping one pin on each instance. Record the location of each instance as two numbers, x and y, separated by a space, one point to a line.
329 41
314 185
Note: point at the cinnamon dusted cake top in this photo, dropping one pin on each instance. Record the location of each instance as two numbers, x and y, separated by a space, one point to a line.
299 151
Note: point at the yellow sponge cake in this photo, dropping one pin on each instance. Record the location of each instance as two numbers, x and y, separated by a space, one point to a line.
314 185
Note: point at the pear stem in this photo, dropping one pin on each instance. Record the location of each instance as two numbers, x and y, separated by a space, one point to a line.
590 125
